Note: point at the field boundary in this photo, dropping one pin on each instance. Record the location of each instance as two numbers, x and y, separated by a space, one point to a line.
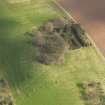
71 18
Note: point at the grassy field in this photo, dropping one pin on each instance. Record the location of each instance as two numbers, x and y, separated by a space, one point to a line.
36 84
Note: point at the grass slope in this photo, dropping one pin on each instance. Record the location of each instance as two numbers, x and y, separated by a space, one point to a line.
32 83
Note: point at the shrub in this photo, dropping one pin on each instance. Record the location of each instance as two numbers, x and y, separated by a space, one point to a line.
54 43
52 50
38 39
5 95
79 33
92 93
34 30
48 27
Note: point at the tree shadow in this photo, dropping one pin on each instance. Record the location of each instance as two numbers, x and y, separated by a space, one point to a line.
15 54
8 23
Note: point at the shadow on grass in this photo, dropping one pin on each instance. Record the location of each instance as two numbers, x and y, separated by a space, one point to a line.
15 55
7 23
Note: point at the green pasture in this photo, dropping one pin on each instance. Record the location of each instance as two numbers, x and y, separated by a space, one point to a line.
36 84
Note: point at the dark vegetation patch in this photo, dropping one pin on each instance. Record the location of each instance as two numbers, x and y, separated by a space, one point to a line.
15 53
5 94
8 23
92 93
55 37
79 33
52 49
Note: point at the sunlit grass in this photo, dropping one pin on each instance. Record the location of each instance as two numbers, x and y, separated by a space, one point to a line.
36 84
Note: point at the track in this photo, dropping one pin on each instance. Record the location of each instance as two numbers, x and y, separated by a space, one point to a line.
91 15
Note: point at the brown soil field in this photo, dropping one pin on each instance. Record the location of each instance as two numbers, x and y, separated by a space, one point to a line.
91 15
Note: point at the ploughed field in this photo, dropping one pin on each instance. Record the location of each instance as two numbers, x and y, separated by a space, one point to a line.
32 83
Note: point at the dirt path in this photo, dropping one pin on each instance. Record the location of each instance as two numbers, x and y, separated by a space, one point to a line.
91 15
